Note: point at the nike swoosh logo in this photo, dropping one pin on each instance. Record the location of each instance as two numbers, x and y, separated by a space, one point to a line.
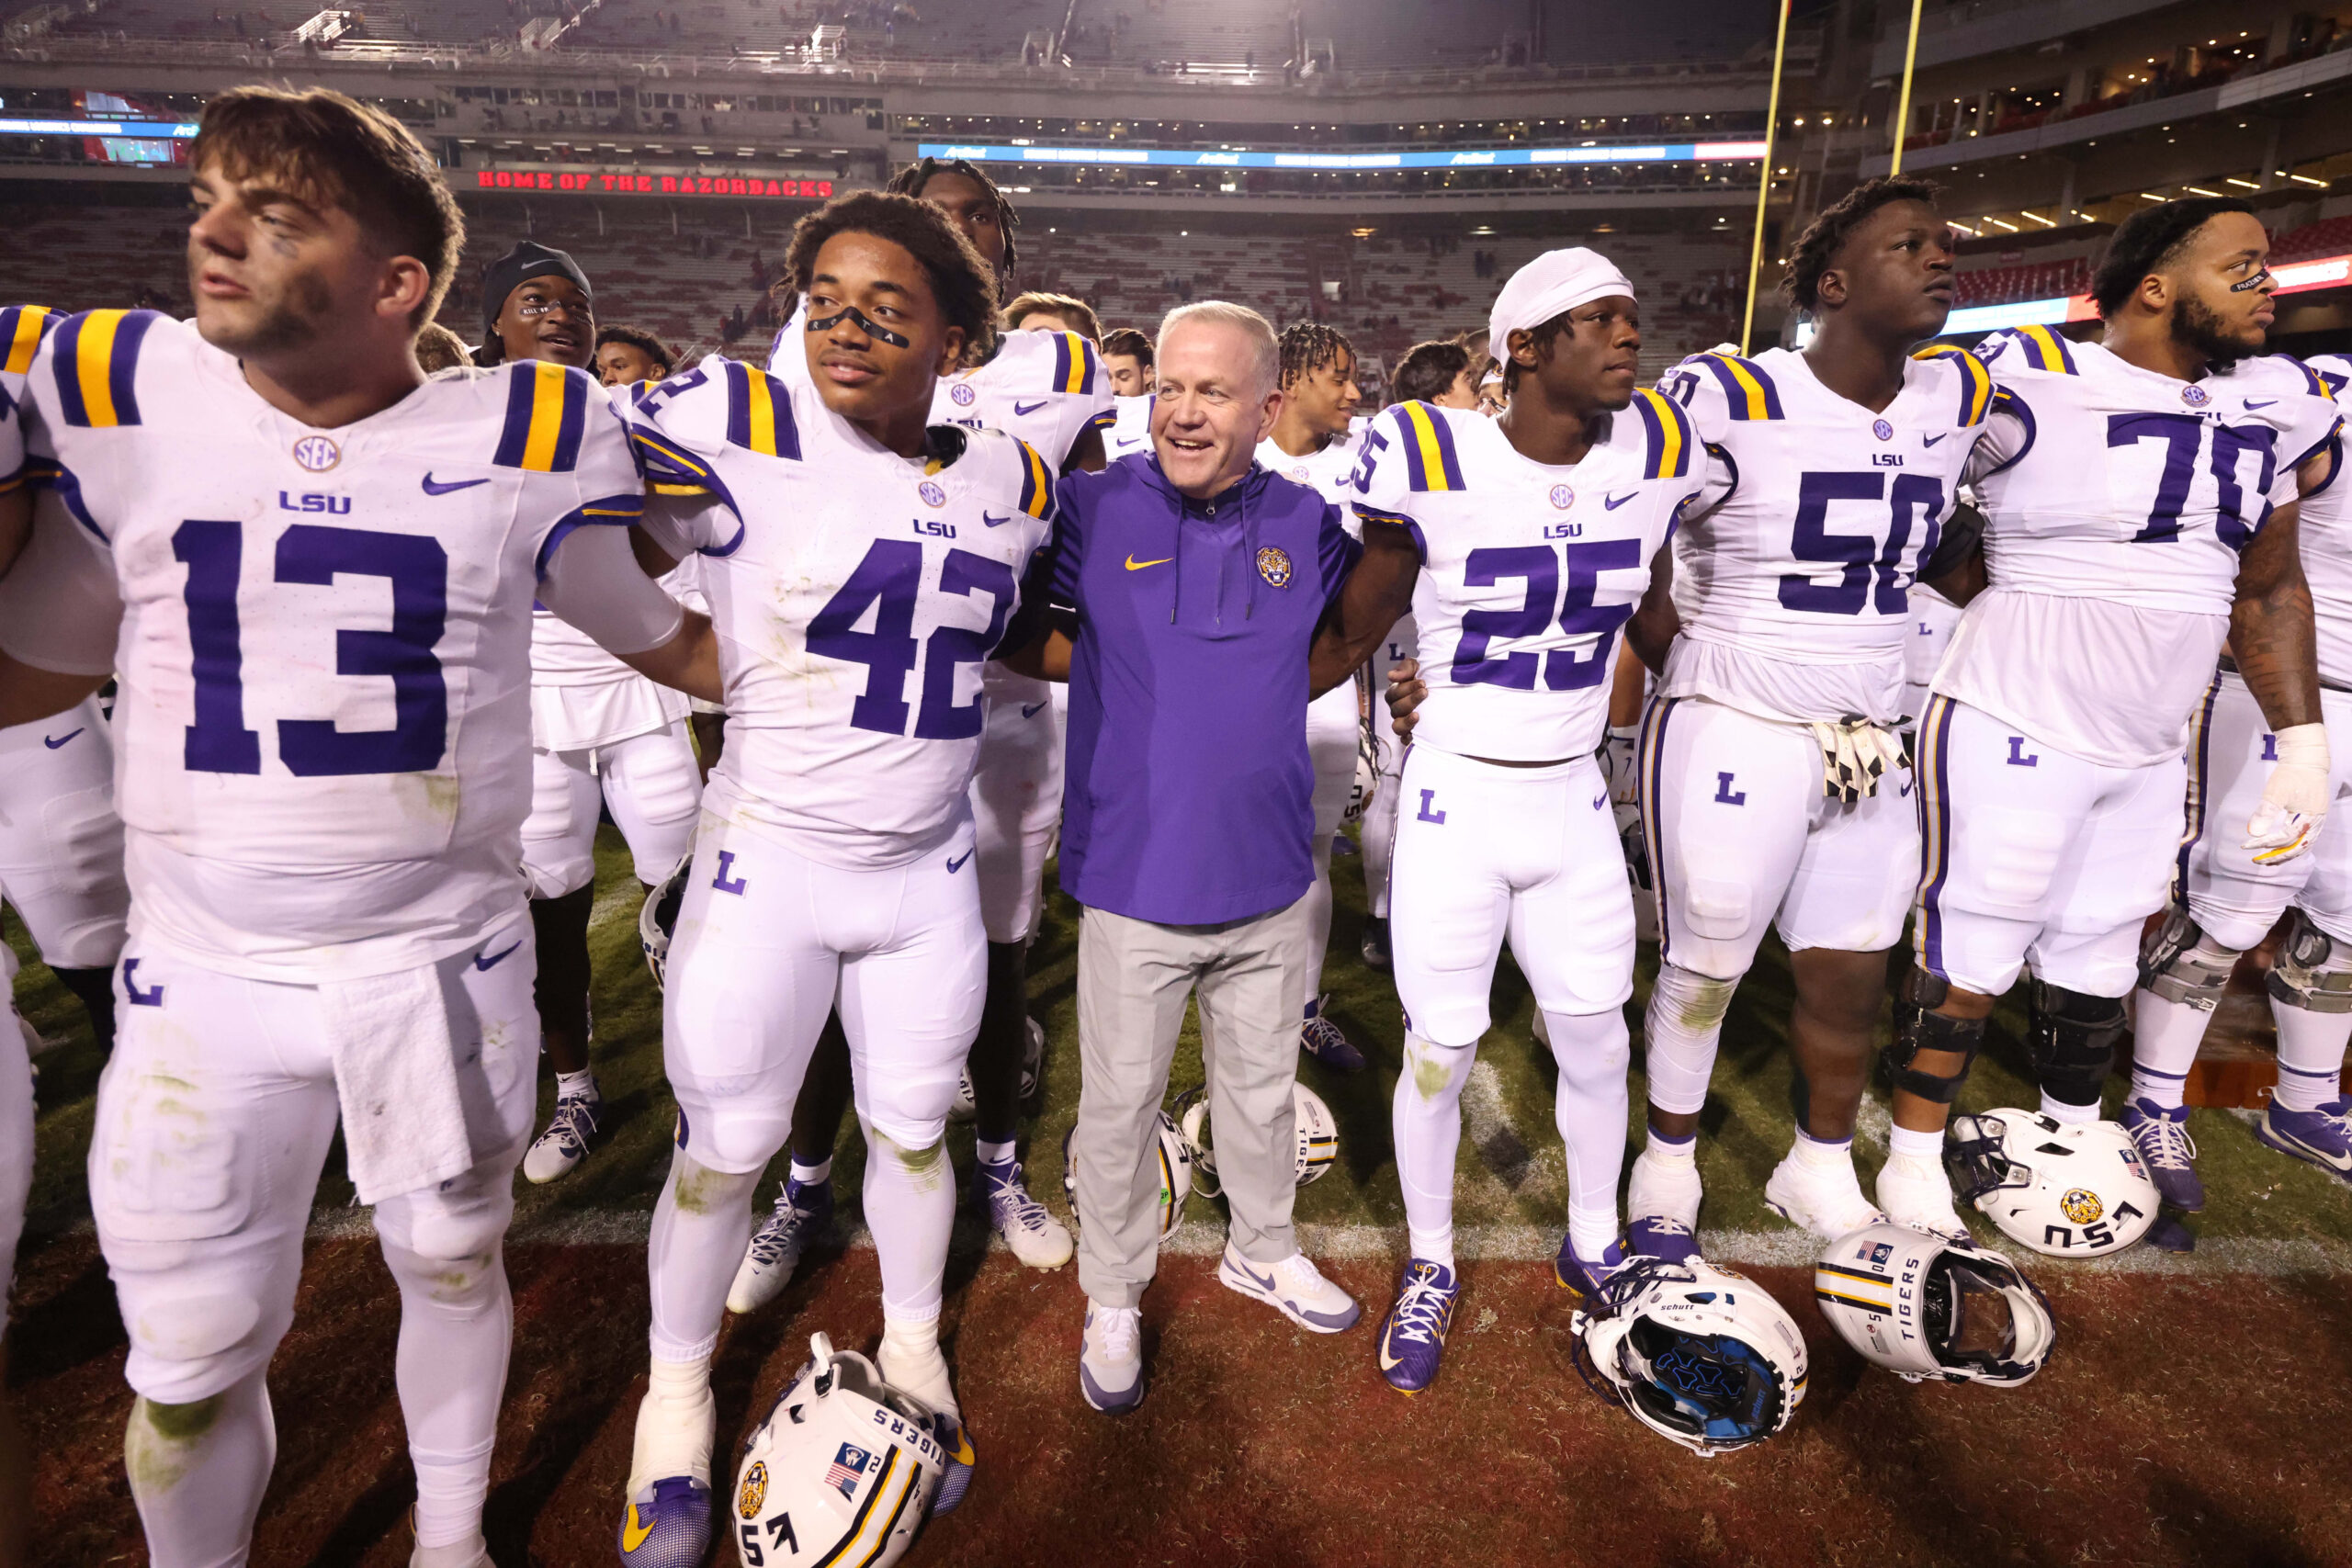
1263 1282
1021 411
1903 789
1614 501
1135 565
1600 800
2263 404
433 487
1931 440
995 522
61 740
1389 1363
2319 1157
492 959
958 864
1030 710
634 1530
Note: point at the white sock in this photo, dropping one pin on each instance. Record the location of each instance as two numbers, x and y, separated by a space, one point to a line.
691 1255
1822 1154
1661 1148
812 1175
198 1491
993 1152
1681 1031
1593 1053
456 1324
1905 1143
1425 1125
682 1381
911 1207
581 1084
2165 1090
2164 1038
2311 1056
2067 1115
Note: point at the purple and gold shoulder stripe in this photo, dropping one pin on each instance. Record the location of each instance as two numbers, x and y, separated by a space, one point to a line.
1428 441
1975 382
96 359
1036 481
2044 350
547 411
1671 437
1074 363
1748 387
759 414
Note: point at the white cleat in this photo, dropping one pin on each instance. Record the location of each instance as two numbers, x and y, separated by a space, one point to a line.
803 1215
1829 1202
1916 1193
558 1151
1035 1236
1662 1201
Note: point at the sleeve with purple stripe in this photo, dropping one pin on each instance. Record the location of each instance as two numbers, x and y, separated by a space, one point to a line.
96 359
546 409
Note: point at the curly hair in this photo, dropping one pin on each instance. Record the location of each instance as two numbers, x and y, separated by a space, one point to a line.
1817 247
2148 241
910 180
644 342
961 279
1308 346
1132 342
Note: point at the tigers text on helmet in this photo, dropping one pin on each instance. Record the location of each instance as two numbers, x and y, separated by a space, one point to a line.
1928 1306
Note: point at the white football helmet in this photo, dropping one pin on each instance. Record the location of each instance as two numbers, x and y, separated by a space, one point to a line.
658 918
2070 1190
1175 1176
1367 782
1927 1306
845 1469
1698 1352
1317 1131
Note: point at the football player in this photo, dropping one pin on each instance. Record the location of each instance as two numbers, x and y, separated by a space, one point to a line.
322 566
1127 359
1773 793
2139 509
2226 897
625 356
1539 530
1049 389
603 736
835 859
1312 444
60 843
1041 312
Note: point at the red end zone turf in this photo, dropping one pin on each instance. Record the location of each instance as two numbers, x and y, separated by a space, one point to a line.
2194 1420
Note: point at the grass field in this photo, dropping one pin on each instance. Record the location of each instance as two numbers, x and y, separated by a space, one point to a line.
2192 1413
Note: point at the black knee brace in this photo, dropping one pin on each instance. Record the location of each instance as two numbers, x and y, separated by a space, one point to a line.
1918 1029
2071 1040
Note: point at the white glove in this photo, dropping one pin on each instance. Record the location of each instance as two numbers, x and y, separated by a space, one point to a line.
2294 800
1855 754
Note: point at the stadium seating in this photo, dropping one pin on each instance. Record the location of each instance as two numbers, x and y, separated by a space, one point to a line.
2030 280
2328 237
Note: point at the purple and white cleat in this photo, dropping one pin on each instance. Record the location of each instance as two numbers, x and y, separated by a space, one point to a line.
2165 1148
1414 1336
1585 1278
2321 1137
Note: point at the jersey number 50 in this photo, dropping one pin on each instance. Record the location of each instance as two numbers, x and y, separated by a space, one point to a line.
1914 495
888 581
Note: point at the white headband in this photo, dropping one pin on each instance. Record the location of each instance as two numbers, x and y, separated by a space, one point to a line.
1552 283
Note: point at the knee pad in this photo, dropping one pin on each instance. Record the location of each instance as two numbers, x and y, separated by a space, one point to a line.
1918 1029
730 1133
2314 970
446 1231
556 868
2180 963
2071 1040
1696 1002
189 1344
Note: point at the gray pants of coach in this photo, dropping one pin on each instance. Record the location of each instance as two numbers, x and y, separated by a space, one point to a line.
1133 980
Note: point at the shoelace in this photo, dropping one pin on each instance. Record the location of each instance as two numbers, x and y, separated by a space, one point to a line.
573 1123
2173 1147
1665 1227
1118 1330
782 1230
1422 1310
1013 1202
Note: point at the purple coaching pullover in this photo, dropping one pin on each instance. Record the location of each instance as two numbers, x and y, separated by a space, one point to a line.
1187 798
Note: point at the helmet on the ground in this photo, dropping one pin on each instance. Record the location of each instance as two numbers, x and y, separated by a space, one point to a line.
1698 1352
1930 1306
2069 1190
844 1468
1033 1063
1317 1130
1366 785
1175 1156
657 919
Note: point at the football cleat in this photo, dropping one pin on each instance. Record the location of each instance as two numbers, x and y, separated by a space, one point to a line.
1110 1359
2321 1137
1376 954
1293 1287
2168 1152
1321 1039
481 1558
1585 1278
1917 1194
558 1150
668 1525
948 1430
1413 1338
1663 1200
803 1215
1829 1202
1035 1236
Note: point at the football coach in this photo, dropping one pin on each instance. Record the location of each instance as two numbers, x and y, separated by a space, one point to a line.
1213 599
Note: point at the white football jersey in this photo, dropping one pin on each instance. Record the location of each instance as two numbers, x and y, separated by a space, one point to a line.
1130 427
2116 503
1791 572
1527 571
2325 532
22 328
322 754
1330 471
856 594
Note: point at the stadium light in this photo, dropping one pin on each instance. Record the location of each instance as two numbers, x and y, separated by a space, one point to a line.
1245 158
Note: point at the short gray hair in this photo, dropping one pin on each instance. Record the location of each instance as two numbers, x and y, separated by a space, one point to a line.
1242 319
